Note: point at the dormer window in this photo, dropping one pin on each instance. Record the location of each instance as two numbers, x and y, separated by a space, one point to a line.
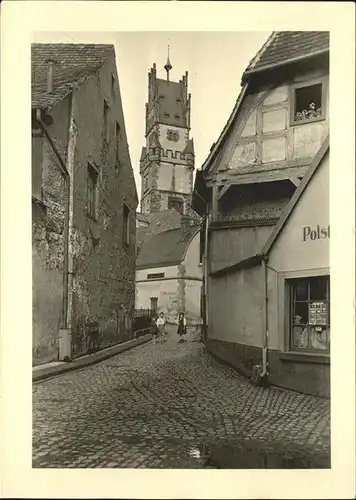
178 101
176 117
166 115
307 103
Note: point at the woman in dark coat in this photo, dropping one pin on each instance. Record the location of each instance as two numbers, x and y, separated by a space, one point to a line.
182 327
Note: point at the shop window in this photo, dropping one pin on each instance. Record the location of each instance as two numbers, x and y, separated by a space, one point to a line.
307 103
176 204
310 314
92 186
126 225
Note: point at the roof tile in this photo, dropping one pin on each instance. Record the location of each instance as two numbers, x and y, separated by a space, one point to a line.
74 63
283 46
166 248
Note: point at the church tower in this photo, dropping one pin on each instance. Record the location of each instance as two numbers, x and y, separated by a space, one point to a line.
167 159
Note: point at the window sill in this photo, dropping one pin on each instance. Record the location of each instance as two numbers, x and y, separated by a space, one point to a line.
305 357
310 120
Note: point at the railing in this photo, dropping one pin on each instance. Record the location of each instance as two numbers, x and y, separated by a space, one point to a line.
142 318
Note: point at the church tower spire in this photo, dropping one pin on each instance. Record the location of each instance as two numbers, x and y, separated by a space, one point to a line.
167 159
168 66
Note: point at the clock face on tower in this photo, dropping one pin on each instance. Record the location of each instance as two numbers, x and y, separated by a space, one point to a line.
172 135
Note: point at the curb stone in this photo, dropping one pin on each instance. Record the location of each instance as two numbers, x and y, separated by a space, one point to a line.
48 371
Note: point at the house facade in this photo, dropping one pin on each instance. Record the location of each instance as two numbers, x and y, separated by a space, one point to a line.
169 273
83 202
274 136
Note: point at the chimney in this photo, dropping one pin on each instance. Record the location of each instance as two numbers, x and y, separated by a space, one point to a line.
50 71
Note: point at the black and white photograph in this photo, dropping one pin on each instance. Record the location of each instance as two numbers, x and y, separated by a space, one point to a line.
182 288
201 288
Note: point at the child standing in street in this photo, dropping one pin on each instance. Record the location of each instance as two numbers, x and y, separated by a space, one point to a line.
154 329
161 324
182 327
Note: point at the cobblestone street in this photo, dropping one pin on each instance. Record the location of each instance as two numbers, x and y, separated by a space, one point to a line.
153 405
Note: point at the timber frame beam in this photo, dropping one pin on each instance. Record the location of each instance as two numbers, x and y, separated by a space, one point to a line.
223 191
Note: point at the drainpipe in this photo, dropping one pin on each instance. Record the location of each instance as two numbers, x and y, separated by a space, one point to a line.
65 341
206 263
264 373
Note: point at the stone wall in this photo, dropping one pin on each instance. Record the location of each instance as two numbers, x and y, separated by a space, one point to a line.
103 265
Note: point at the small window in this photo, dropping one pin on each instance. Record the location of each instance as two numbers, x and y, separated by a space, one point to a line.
166 115
161 97
106 121
117 142
92 184
176 117
155 276
310 314
307 103
176 204
126 225
178 101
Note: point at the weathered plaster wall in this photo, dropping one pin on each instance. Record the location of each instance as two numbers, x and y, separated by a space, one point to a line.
167 291
228 246
236 307
191 262
47 241
290 252
104 267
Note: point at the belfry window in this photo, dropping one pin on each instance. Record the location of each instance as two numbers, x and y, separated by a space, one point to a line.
176 204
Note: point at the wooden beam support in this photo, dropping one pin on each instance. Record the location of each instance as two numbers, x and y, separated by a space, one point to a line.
223 190
215 202
295 180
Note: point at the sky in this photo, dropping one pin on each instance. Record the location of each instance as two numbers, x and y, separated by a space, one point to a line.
215 62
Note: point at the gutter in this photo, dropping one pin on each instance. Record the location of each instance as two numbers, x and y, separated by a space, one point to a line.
282 63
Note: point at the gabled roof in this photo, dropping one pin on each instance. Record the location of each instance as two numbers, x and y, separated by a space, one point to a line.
171 108
166 249
296 196
280 49
284 47
73 64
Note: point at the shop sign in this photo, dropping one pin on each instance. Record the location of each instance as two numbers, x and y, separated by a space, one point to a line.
316 233
318 313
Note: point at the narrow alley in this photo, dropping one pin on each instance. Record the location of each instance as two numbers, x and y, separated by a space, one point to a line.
168 406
